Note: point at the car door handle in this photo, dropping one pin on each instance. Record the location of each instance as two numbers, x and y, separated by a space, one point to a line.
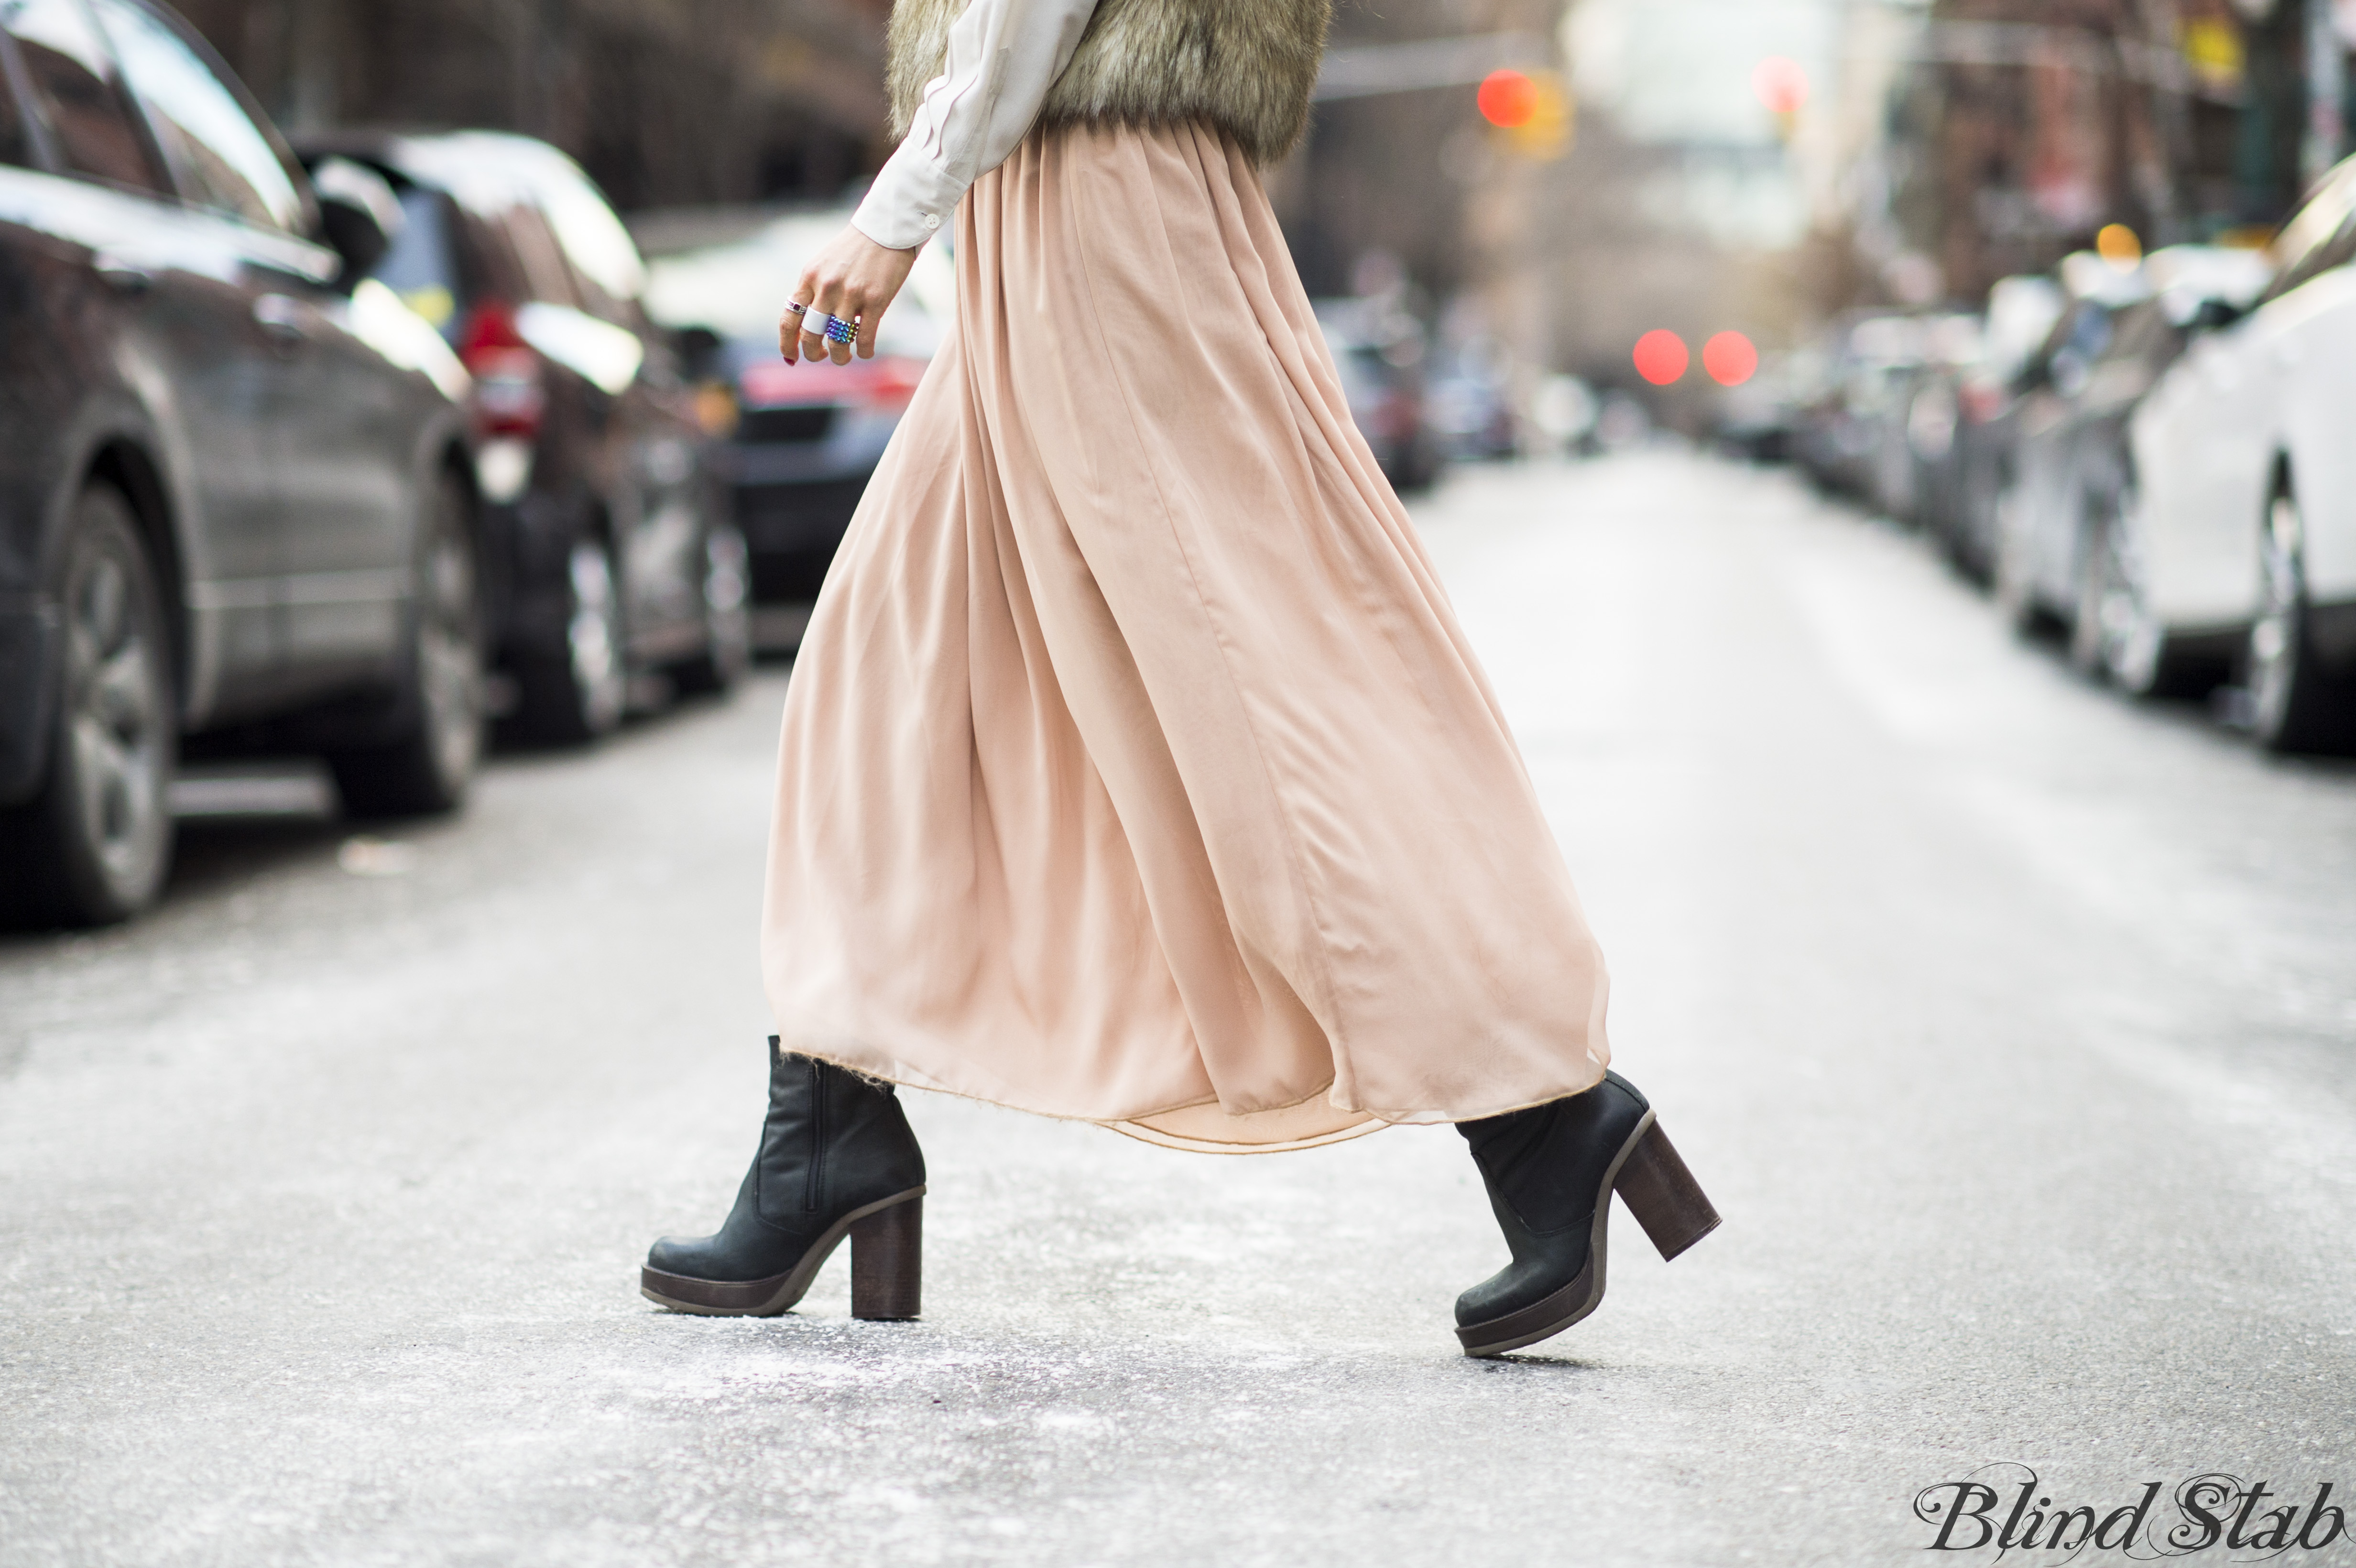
282 320
124 277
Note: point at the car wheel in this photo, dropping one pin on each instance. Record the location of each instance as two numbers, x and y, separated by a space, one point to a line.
2097 570
727 617
2109 626
582 690
1972 545
2118 633
2011 577
2295 705
427 768
95 844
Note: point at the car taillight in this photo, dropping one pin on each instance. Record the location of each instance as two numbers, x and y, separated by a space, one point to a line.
509 394
891 382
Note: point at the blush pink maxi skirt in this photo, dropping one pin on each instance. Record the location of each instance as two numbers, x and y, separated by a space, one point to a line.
1134 767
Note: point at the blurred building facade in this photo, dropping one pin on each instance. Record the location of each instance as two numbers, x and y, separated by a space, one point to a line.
665 102
2042 120
1939 145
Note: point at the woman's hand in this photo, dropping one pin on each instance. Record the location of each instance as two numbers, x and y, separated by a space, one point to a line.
852 280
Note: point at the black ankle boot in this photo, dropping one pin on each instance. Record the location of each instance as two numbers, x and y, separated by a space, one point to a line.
1551 1171
837 1159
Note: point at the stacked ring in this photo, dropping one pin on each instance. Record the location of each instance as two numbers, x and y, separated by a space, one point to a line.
839 330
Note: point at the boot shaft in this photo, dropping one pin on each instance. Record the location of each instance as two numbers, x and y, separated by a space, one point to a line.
1547 1162
832 1142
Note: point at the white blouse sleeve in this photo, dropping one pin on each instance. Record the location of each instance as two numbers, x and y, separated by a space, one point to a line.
1003 55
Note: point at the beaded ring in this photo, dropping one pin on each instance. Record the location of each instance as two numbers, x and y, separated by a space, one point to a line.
839 330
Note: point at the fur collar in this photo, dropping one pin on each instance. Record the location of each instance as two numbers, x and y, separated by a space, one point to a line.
1246 66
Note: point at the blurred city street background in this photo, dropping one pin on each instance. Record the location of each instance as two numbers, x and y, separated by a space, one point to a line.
2008 1025
1897 459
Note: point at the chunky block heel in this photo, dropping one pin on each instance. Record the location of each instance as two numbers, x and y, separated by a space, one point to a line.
1662 1194
1550 1171
836 1160
887 1262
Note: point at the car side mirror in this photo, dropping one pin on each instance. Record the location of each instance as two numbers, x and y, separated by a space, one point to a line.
2216 314
358 214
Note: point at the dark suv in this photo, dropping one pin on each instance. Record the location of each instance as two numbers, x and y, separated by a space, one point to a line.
235 487
611 550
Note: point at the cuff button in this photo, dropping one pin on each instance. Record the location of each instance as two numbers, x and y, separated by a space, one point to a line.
932 221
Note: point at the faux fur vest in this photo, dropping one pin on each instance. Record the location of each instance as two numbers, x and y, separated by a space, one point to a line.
1246 66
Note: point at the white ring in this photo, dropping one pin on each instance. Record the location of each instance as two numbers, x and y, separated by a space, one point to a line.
814 324
794 307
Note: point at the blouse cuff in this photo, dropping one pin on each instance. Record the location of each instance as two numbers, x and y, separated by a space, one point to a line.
912 197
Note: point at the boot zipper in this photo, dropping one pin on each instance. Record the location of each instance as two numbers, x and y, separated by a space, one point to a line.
817 1188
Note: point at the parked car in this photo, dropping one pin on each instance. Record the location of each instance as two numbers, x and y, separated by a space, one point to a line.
1851 433
1754 421
2069 472
2241 533
1917 444
1471 407
1379 354
1961 425
235 487
610 554
1912 430
1564 413
798 443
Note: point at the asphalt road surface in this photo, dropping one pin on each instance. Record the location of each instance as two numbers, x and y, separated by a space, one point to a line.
2011 1025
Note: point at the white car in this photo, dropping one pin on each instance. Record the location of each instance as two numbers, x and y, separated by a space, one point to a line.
2244 535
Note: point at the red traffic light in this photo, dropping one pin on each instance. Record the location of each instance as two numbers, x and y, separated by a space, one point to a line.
1731 358
1509 99
1662 357
1781 84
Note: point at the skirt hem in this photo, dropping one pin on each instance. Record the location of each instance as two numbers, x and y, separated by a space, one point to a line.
1138 1124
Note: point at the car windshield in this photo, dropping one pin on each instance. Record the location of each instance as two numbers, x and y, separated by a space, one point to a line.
2319 237
2142 332
599 247
420 267
223 156
73 91
16 147
2318 220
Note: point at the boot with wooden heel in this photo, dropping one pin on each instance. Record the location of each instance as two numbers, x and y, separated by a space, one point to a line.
837 1159
1551 1171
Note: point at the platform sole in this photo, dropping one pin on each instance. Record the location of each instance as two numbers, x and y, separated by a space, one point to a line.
887 1259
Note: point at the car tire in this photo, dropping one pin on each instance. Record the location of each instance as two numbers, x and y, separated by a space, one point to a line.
425 768
2295 703
580 691
95 844
2010 578
2129 643
1972 544
2099 537
727 617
